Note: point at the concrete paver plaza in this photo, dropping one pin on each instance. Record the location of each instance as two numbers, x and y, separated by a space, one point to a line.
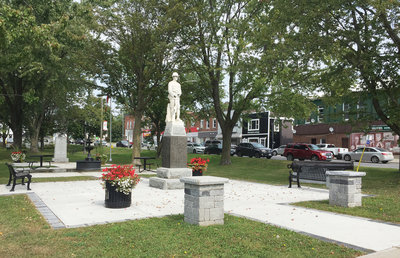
81 203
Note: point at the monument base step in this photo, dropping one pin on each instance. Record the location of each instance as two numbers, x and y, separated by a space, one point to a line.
173 173
165 183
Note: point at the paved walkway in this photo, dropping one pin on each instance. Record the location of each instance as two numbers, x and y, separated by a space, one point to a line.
81 203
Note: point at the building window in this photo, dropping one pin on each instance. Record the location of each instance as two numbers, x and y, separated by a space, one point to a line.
201 123
262 141
276 127
360 109
320 114
255 140
254 125
346 109
214 123
208 124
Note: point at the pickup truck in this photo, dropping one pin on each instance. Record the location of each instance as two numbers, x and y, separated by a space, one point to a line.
336 151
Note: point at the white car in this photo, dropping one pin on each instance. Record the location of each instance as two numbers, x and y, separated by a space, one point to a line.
373 154
336 151
195 148
279 150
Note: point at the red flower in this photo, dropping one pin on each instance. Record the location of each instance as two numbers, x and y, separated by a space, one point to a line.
198 164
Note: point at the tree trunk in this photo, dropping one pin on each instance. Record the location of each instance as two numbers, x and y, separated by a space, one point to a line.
17 131
34 140
137 129
226 144
34 133
42 143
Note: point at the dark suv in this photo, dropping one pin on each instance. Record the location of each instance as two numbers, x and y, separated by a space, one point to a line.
215 147
304 151
253 149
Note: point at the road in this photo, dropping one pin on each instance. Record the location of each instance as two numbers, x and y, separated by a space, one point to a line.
391 164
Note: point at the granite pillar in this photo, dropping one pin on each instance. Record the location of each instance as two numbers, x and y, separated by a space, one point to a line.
345 188
204 200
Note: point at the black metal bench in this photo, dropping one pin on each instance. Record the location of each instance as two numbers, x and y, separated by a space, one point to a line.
18 174
314 171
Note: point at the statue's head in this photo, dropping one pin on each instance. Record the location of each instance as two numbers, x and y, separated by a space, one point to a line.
175 75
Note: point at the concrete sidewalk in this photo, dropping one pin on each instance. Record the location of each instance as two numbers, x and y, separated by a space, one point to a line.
81 203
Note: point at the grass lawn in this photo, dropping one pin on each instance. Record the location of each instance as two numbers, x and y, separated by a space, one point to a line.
167 237
239 237
384 185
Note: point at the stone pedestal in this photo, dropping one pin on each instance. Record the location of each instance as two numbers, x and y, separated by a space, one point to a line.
174 158
60 149
174 152
168 178
204 200
345 188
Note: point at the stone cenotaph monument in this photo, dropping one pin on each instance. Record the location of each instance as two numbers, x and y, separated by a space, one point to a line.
60 149
174 144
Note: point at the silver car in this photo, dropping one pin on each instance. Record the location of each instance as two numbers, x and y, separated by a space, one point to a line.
279 150
372 154
195 148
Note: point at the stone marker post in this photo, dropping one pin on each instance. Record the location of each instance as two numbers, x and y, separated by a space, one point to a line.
345 188
60 149
204 200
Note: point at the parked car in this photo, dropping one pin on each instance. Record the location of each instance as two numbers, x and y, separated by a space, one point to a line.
79 141
233 149
213 149
97 143
195 148
373 154
209 142
336 151
304 151
124 144
253 149
279 150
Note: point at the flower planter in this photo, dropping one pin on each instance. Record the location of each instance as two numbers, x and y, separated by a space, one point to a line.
197 173
114 199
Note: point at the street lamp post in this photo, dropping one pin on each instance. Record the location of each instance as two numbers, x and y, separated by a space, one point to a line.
110 128
101 125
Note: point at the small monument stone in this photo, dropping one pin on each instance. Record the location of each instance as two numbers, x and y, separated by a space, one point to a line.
60 149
